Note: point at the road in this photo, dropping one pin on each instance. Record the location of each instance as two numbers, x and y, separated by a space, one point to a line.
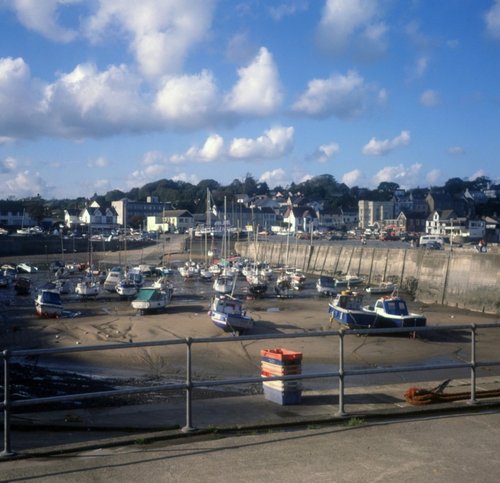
458 448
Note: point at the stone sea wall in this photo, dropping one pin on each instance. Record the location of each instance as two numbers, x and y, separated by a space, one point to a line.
459 278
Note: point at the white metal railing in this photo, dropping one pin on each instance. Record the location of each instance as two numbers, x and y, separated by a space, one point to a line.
342 373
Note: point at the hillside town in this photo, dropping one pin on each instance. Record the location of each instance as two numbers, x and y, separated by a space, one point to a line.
407 215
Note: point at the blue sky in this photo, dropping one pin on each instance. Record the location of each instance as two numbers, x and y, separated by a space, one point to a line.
112 94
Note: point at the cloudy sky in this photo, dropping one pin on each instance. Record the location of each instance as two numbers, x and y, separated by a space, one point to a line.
111 94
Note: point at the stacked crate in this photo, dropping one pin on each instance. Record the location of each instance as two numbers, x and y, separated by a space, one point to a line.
281 362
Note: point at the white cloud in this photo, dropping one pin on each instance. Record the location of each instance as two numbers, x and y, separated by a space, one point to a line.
375 147
492 19
340 96
161 32
100 162
352 178
274 143
212 150
102 184
19 97
275 177
282 10
187 178
88 102
456 150
430 98
433 176
142 176
478 174
258 90
26 183
8 165
405 177
421 66
187 101
41 17
352 24
326 152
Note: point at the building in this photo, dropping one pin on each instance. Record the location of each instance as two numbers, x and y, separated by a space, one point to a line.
300 218
373 212
129 210
171 221
13 215
455 228
98 219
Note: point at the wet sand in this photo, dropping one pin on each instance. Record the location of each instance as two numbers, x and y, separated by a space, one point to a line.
107 320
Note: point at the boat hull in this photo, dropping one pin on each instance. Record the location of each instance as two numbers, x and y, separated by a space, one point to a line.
353 319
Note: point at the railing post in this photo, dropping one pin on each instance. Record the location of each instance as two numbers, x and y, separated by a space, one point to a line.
189 388
6 407
341 411
473 399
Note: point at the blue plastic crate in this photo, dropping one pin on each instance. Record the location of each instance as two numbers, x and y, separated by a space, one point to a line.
282 397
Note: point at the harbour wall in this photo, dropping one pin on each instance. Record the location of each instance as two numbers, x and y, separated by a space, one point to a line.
459 278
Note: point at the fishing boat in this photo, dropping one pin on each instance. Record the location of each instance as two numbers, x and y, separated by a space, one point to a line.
152 299
392 311
381 288
347 309
48 303
228 314
326 286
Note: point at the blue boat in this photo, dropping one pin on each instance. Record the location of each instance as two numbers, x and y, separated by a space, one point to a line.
392 311
228 314
347 309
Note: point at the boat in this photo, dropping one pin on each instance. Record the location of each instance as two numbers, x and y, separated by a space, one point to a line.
88 287
257 284
113 278
126 288
26 267
326 286
283 285
188 271
48 303
381 288
348 281
151 299
162 283
4 280
228 314
392 311
347 309
206 275
22 285
298 279
224 284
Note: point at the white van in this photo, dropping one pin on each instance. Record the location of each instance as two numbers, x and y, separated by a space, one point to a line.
424 239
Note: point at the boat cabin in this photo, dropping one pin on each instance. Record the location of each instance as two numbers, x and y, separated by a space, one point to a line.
392 306
349 300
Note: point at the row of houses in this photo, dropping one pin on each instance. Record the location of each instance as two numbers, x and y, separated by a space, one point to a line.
413 212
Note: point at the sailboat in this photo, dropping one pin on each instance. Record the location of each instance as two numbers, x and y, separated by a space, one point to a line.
89 286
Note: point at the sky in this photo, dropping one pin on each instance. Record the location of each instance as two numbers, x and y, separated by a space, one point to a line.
98 95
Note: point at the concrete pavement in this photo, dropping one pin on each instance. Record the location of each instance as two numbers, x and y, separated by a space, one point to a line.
52 432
